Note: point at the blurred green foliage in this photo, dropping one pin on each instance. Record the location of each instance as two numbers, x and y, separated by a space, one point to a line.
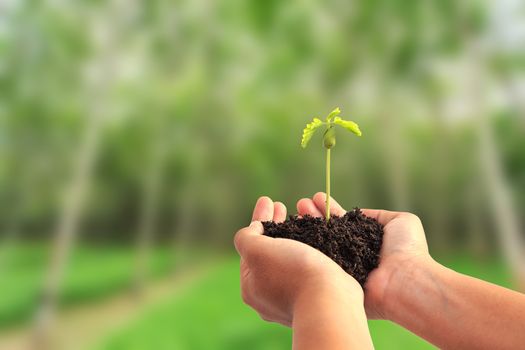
197 319
214 95
94 272
227 87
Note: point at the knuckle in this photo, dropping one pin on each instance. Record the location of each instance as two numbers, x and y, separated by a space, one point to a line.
412 216
239 238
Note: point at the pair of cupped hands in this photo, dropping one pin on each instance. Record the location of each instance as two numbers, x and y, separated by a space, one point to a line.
279 274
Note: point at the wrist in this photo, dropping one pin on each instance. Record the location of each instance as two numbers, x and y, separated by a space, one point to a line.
401 282
322 318
329 294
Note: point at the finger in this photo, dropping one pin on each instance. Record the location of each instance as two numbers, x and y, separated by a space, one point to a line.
263 209
320 202
279 212
382 216
306 206
246 237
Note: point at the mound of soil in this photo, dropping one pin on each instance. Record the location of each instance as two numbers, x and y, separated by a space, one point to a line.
353 241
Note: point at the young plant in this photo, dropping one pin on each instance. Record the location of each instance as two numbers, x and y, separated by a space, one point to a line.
328 141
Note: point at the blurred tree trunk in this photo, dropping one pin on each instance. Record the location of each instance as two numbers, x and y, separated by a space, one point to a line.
97 87
507 77
439 173
67 226
500 195
395 155
186 216
516 99
476 231
150 201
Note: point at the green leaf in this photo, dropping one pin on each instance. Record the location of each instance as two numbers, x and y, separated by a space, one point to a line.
348 125
333 113
308 132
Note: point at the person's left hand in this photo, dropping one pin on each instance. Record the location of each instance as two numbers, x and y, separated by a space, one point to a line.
278 275
404 246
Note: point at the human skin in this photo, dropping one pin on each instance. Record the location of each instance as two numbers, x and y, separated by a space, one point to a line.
448 309
293 284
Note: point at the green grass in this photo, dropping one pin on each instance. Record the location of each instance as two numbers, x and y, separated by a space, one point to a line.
210 315
93 272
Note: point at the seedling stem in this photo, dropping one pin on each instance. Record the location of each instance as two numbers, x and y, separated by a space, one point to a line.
327 184
328 142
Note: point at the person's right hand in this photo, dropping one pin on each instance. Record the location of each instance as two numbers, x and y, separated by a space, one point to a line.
281 278
404 245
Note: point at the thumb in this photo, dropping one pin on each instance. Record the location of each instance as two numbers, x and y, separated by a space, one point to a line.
248 236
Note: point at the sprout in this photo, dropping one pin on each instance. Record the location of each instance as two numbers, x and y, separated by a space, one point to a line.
328 141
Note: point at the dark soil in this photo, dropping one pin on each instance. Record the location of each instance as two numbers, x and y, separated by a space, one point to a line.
353 241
